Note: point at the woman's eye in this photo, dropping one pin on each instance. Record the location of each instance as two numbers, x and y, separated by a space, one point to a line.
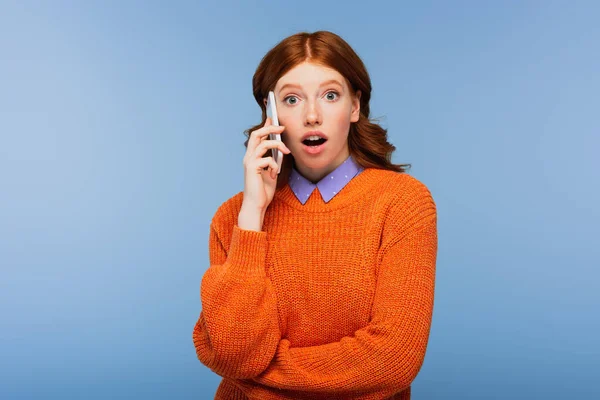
289 100
332 96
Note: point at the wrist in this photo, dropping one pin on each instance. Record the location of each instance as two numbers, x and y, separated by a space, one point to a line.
251 217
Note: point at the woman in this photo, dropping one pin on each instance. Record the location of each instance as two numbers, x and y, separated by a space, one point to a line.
321 277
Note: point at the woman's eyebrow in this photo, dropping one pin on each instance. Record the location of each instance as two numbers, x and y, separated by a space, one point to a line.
329 82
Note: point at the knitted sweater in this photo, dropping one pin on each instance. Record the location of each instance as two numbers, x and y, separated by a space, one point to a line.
329 301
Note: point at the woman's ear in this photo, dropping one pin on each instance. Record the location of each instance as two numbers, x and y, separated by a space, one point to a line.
354 116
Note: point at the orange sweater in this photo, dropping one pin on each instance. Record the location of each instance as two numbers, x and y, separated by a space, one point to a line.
330 301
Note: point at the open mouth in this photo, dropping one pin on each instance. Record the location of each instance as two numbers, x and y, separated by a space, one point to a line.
309 142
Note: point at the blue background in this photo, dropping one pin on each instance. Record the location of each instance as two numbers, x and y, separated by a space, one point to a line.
121 133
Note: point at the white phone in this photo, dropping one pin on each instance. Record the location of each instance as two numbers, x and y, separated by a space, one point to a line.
272 113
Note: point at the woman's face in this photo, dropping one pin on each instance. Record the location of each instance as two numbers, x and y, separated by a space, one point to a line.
312 98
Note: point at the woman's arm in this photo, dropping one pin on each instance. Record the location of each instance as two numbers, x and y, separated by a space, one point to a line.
384 357
238 330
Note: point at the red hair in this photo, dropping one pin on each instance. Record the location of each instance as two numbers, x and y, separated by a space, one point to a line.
367 141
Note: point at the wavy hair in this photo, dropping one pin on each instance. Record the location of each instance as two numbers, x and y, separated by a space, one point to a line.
367 141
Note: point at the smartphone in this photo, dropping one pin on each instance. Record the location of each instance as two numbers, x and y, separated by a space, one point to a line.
277 154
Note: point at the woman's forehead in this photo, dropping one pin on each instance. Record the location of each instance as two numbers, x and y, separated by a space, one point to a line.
310 75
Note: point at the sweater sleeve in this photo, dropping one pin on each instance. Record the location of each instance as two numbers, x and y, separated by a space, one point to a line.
237 332
384 357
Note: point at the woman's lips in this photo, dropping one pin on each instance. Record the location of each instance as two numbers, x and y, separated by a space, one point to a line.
314 150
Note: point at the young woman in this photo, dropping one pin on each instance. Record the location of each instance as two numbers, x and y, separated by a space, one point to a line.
321 277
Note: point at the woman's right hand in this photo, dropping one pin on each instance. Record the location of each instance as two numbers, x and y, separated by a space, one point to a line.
260 183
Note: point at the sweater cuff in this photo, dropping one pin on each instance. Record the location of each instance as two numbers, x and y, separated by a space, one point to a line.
248 251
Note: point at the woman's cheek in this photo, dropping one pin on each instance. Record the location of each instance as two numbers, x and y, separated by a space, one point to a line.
286 120
342 120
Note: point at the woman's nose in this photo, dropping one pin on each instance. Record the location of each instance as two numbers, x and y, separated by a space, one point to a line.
313 114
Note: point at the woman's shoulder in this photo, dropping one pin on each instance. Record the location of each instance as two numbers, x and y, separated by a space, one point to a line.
227 213
408 204
400 186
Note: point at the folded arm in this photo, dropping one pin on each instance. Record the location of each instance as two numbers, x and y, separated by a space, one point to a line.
384 357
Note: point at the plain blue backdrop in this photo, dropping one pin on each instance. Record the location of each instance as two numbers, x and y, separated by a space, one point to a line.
121 127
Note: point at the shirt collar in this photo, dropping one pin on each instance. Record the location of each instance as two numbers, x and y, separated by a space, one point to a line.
329 186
